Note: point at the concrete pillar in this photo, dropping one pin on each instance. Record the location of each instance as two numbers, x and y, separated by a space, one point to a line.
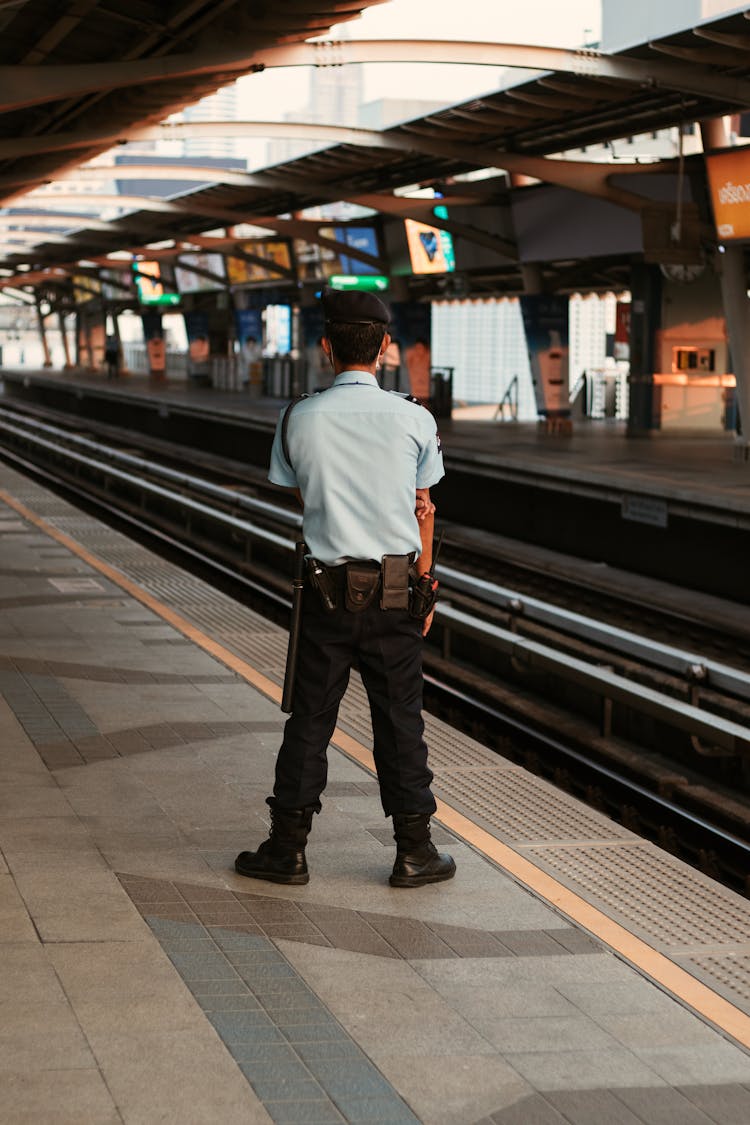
645 318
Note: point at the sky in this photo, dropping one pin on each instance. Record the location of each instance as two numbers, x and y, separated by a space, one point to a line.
570 23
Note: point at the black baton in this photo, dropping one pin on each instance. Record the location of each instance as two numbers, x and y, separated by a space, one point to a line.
298 582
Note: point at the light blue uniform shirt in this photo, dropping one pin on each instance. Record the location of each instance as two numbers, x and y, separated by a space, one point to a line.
358 455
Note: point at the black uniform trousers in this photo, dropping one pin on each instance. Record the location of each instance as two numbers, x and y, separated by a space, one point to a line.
387 645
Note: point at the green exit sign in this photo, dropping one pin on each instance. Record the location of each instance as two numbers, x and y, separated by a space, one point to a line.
364 283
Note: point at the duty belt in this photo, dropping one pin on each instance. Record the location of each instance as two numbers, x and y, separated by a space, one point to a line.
361 580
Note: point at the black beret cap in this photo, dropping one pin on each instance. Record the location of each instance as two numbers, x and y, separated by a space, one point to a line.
341 307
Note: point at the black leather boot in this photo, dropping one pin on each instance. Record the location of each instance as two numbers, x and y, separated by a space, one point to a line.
280 858
417 859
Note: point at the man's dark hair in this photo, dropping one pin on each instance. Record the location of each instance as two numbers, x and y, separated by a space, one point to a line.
355 343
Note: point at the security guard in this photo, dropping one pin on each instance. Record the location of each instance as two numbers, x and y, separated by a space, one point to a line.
362 461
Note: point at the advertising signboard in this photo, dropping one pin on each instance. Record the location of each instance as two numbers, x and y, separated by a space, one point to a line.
729 183
545 321
242 272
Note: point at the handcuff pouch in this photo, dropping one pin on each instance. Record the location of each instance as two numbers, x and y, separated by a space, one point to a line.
362 584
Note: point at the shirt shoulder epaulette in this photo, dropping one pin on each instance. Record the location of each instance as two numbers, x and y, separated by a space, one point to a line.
408 398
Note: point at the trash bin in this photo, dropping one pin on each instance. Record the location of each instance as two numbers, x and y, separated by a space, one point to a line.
441 391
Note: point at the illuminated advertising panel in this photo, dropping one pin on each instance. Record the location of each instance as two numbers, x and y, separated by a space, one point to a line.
242 272
150 286
277 334
430 249
86 288
116 285
316 262
729 183
359 238
190 282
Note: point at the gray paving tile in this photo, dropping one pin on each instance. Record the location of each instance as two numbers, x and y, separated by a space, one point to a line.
235 1027
202 966
279 1069
379 1111
229 1002
410 938
575 941
231 940
314 1032
530 943
533 1110
594 1107
662 1107
576 1070
359 1078
271 1090
329 1049
470 943
724 1105
300 1113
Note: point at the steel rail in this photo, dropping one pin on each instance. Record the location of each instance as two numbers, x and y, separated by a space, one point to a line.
722 733
692 666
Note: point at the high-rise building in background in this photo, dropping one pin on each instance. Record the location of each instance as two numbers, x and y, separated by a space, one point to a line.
641 20
221 106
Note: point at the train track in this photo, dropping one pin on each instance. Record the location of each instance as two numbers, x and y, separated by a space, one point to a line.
606 712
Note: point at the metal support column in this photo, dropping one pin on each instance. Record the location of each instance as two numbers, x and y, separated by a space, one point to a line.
65 342
733 277
645 318
43 335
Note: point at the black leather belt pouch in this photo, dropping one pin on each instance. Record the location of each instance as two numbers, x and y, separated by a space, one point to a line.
362 584
395 589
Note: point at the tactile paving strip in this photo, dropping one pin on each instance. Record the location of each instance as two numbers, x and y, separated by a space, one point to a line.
522 807
659 897
731 970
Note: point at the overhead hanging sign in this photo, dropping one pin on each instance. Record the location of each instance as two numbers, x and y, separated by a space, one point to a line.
729 182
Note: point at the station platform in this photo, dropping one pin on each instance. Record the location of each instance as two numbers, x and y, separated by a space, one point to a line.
570 973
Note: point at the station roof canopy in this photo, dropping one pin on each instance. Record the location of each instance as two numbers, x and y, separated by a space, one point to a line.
560 101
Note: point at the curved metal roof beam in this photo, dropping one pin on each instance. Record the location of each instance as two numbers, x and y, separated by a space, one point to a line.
35 220
22 86
588 177
133 203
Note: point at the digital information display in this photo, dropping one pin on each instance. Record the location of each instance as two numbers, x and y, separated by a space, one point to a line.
430 249
148 282
188 281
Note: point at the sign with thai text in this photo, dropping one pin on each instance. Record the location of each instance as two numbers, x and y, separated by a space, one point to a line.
729 181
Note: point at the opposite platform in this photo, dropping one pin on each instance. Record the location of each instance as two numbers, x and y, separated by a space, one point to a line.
687 470
143 980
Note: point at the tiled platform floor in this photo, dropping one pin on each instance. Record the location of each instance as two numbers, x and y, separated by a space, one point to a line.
142 981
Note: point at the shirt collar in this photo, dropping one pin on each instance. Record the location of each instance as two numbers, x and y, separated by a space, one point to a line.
363 377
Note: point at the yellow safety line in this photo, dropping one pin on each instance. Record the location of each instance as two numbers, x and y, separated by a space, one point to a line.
656 965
